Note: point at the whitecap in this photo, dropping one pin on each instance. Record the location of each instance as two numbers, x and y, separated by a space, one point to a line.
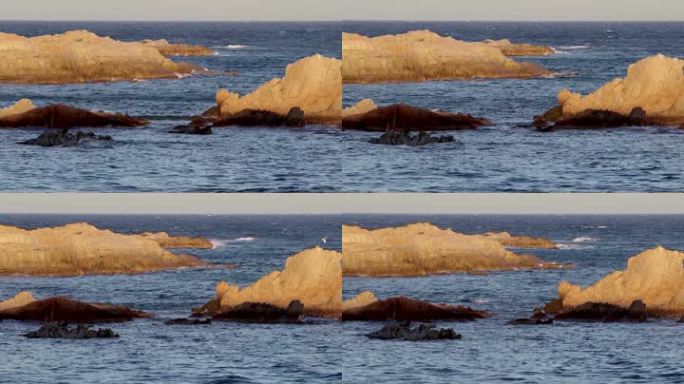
234 46
574 246
220 243
583 239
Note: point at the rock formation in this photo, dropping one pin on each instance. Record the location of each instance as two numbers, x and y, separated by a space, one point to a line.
168 49
262 118
406 309
360 300
423 332
69 310
167 241
263 313
61 330
508 240
62 117
405 138
312 84
20 299
81 56
363 106
651 94
424 55
79 249
654 277
55 138
511 49
402 117
313 277
423 249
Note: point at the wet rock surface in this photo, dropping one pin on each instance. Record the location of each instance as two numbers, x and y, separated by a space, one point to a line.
402 117
422 332
64 116
198 126
61 330
404 138
606 313
263 118
538 318
56 138
263 313
63 309
407 309
591 119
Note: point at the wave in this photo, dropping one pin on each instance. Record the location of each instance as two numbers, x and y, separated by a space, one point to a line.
570 48
234 46
574 246
583 239
220 243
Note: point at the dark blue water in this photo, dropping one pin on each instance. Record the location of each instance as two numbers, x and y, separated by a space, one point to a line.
149 159
506 158
493 352
149 351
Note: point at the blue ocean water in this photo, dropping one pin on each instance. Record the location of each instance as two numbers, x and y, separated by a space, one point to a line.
493 352
149 351
149 159
504 157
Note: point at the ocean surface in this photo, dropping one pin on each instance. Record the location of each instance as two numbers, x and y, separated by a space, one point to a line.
493 352
505 157
150 159
149 351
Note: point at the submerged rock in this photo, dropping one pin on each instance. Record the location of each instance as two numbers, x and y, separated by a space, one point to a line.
312 277
402 117
424 249
198 126
424 55
55 138
404 138
263 313
61 330
80 249
69 310
651 94
423 332
538 318
82 56
406 309
654 277
62 116
313 84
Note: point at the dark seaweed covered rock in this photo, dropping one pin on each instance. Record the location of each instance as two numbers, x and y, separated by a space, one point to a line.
63 116
423 332
538 318
604 312
263 118
57 138
61 330
391 137
590 119
263 313
198 126
406 309
65 309
402 117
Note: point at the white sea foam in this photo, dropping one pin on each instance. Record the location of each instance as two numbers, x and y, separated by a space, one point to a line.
583 239
220 243
574 246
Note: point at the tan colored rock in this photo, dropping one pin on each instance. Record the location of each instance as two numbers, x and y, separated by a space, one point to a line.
655 276
20 299
511 49
313 84
363 106
168 49
424 249
166 241
655 84
424 55
81 56
313 276
508 240
81 249
21 106
360 300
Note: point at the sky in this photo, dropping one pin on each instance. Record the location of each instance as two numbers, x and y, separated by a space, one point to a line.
260 10
336 203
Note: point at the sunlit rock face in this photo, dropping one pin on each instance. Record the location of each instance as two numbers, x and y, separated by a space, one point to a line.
82 249
655 276
654 84
313 84
171 49
424 249
81 56
425 55
313 276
